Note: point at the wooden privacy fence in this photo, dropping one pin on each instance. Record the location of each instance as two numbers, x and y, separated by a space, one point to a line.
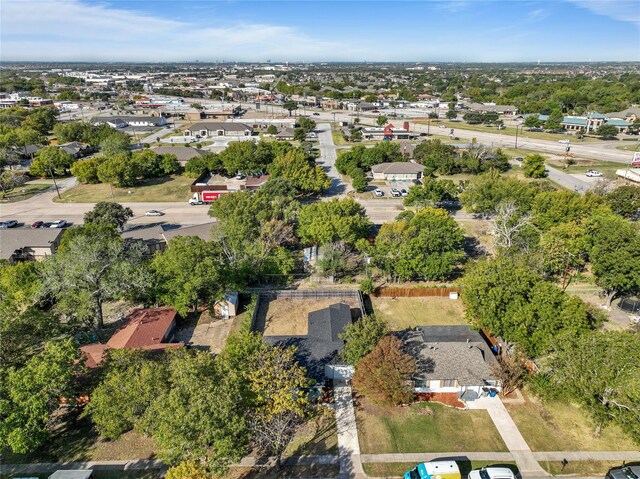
414 292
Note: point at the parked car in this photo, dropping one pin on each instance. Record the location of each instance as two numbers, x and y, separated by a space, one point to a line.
439 469
404 192
492 473
593 174
395 192
37 224
378 192
316 114
519 158
564 141
537 130
624 472
58 224
442 126
240 176
154 213
416 182
8 224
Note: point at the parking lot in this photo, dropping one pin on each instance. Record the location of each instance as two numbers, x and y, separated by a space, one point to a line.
387 186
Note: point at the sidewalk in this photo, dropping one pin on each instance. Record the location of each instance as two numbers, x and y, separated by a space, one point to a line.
348 445
511 436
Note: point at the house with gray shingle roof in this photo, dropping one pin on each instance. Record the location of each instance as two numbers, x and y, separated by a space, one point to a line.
450 359
206 129
399 170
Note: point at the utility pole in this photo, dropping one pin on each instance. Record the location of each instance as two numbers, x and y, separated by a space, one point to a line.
517 126
54 182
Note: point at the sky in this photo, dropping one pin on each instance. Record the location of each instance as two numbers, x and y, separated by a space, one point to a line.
312 31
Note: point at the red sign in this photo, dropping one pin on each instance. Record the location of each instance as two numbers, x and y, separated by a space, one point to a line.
636 159
211 195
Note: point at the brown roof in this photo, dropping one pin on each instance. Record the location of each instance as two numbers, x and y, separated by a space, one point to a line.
144 329
257 180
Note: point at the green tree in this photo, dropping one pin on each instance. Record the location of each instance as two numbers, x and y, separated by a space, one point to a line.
607 130
195 166
427 246
115 144
307 124
86 171
130 385
435 155
381 120
508 298
614 255
71 131
108 213
361 337
300 171
625 201
94 265
359 180
272 130
431 193
382 375
189 272
11 179
299 135
330 221
51 160
551 208
30 395
452 114
290 106
554 122
532 121
487 191
119 170
41 120
600 371
533 166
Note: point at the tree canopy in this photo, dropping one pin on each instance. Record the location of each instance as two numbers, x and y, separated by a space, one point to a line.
330 221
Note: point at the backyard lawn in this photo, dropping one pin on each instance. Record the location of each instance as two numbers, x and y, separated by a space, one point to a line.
557 426
403 313
173 188
397 469
425 427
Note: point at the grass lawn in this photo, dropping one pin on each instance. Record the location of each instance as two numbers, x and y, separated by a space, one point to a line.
582 165
632 147
24 192
99 474
425 428
397 469
172 188
510 130
338 139
579 468
316 437
74 439
558 426
403 313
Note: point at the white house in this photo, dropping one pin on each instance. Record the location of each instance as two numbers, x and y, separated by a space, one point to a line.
450 359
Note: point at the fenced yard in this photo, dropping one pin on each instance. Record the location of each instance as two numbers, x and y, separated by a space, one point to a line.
402 313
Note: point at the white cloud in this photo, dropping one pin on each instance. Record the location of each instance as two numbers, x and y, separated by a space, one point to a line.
538 14
621 10
71 30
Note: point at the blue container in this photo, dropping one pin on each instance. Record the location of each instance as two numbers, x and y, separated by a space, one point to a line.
493 393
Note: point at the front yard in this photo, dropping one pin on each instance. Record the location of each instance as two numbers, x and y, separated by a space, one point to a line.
558 426
403 313
425 427
172 188
23 192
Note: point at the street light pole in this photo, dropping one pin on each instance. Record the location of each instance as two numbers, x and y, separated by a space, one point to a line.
517 126
54 182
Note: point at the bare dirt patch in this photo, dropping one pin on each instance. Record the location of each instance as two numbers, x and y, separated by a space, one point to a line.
289 317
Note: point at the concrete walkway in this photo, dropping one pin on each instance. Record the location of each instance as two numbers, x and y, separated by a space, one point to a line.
348 444
511 436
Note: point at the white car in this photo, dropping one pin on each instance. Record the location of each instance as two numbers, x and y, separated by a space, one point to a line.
154 213
378 192
564 142
395 192
58 224
492 473
404 192
593 174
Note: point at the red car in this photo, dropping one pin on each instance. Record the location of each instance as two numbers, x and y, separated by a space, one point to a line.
37 224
